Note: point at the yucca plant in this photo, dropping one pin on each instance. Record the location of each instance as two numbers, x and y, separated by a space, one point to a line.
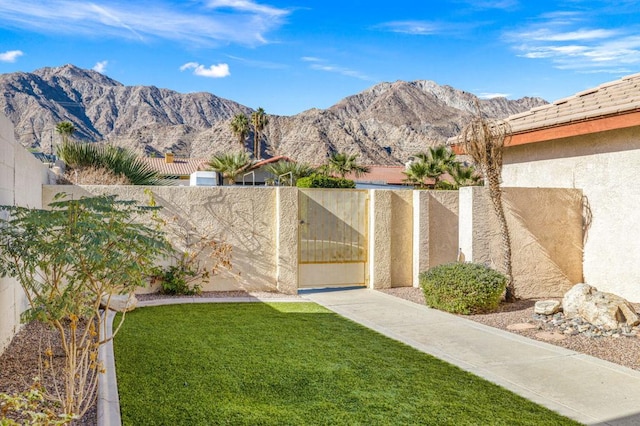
118 160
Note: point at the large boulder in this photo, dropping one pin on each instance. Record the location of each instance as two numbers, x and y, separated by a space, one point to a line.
598 308
119 302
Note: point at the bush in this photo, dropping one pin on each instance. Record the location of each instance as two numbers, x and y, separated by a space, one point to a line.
322 181
463 288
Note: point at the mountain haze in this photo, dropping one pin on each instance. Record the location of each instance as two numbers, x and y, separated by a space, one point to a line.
384 124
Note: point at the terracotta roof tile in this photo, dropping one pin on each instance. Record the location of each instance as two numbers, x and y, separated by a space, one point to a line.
179 167
390 175
611 98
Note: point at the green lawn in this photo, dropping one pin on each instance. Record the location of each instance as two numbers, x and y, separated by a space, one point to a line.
293 364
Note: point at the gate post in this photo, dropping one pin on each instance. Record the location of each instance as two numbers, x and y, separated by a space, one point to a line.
379 243
287 240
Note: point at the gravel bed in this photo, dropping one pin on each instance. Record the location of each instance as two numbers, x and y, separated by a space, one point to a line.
620 350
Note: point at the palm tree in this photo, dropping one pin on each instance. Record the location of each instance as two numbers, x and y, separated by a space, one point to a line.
417 173
342 164
230 164
65 129
438 159
259 120
240 128
463 175
483 141
297 170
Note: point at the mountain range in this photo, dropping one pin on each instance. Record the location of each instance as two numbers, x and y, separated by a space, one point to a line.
384 124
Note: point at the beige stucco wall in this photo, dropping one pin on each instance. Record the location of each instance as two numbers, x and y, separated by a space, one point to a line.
245 217
605 167
435 230
545 226
390 238
21 179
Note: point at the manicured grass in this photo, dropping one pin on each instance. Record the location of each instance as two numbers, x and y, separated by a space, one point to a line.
293 364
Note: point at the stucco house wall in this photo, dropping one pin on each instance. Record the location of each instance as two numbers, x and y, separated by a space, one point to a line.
604 165
21 179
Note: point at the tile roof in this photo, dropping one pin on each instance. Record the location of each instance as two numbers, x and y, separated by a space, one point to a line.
612 98
390 175
261 163
179 167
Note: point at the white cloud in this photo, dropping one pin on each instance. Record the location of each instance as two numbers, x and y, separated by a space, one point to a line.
320 64
101 67
412 27
10 55
486 95
567 40
204 23
214 71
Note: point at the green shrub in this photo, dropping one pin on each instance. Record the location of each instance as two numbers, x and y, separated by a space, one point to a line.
463 288
174 280
322 181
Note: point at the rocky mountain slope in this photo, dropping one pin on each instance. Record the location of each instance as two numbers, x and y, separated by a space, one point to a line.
384 124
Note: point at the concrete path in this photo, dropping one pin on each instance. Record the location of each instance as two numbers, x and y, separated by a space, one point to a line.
578 386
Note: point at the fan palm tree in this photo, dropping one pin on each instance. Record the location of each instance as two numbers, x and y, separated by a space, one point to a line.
230 165
259 120
438 159
417 173
240 128
342 164
65 129
463 175
297 170
484 141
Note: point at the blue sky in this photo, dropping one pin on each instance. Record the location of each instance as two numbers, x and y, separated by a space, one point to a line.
288 55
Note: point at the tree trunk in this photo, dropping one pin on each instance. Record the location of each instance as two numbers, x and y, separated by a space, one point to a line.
496 198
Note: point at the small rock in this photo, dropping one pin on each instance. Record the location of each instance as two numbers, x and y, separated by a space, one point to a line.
521 326
550 336
120 302
547 307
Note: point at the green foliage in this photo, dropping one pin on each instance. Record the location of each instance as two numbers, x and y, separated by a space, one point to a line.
281 171
66 259
32 408
342 164
435 163
119 160
463 288
65 129
259 120
174 280
322 181
344 374
230 164
240 127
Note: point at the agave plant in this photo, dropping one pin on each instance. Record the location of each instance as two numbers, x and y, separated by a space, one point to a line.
288 172
120 161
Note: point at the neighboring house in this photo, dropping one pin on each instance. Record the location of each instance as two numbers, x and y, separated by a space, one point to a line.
178 170
380 177
589 141
257 174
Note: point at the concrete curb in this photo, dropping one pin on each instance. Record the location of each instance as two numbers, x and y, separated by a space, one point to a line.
108 404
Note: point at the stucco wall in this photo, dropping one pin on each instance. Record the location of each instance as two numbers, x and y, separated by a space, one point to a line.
545 226
435 230
245 217
21 179
605 167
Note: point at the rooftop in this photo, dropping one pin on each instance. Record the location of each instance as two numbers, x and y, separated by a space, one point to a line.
179 166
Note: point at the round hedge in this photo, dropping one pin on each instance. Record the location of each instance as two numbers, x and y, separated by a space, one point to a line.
463 288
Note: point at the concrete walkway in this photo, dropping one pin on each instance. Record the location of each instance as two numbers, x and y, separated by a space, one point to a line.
578 386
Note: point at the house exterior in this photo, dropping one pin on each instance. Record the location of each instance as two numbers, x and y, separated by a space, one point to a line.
591 142
177 170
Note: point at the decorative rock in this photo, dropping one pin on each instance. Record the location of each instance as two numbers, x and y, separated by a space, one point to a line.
521 326
547 307
598 308
120 302
551 336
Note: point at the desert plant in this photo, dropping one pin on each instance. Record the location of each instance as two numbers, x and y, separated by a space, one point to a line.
240 127
342 164
322 181
121 162
230 165
259 120
69 261
30 408
484 141
291 169
65 129
463 288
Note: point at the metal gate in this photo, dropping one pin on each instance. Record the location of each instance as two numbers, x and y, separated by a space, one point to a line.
332 237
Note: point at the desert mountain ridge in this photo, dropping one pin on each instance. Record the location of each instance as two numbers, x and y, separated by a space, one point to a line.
384 124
